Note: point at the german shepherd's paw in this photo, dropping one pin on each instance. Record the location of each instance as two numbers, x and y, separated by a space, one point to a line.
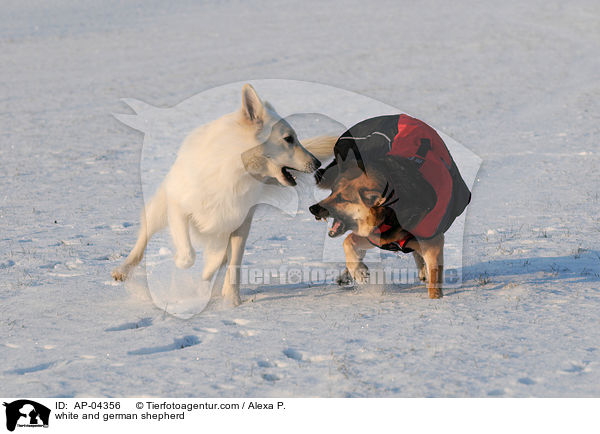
344 279
360 273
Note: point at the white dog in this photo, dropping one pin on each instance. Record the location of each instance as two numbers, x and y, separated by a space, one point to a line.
221 171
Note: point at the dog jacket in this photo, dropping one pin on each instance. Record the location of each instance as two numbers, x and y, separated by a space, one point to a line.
418 142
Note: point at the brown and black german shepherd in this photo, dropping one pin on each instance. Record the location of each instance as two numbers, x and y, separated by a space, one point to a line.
395 186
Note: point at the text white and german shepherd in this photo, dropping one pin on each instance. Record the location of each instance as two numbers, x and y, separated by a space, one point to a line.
221 171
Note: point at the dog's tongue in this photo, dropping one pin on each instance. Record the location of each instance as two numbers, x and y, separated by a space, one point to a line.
336 229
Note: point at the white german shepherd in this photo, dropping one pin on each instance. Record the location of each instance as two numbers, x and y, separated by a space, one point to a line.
221 171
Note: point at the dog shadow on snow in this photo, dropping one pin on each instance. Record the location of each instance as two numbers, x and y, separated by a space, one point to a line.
276 291
581 266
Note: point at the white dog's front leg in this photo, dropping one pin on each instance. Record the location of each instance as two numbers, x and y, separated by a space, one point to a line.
180 233
237 243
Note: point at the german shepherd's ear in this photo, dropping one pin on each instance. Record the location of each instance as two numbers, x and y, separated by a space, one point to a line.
350 165
351 161
325 177
252 107
347 154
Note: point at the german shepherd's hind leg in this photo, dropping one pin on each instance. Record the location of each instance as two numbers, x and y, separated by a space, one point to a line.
153 218
432 252
420 266
355 248
179 225
235 252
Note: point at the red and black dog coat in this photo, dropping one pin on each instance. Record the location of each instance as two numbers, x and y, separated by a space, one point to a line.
414 140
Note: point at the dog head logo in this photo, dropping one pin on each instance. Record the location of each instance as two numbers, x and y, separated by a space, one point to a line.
26 413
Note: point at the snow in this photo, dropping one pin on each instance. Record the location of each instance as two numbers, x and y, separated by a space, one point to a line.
516 83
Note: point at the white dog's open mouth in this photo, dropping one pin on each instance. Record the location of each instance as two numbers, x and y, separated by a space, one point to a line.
289 178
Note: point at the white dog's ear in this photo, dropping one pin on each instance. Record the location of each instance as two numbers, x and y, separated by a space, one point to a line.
252 106
254 161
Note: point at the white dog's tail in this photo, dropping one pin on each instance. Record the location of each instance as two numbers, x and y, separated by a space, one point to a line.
320 146
153 219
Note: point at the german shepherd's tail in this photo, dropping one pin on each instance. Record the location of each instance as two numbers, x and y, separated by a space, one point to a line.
320 146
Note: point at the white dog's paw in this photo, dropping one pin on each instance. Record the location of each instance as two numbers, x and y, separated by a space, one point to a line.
231 299
185 260
360 273
120 273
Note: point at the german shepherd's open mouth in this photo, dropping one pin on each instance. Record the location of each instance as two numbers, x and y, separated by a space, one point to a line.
338 227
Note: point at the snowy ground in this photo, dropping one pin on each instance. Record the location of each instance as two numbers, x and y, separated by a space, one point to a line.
517 83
